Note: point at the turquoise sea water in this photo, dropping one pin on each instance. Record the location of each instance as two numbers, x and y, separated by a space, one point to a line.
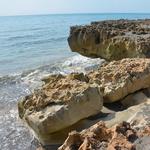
31 41
32 47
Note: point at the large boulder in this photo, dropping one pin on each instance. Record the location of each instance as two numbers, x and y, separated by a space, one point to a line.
112 40
118 79
60 103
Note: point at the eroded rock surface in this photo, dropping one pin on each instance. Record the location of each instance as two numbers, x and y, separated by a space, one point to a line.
64 103
61 102
135 99
112 40
138 116
118 79
99 137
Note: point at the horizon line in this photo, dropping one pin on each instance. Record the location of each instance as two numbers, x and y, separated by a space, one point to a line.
86 13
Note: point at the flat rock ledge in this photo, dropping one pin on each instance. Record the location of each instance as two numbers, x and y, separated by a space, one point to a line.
112 39
60 103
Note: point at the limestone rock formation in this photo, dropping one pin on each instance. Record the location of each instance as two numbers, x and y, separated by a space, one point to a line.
134 99
118 79
138 116
65 100
99 137
112 40
61 102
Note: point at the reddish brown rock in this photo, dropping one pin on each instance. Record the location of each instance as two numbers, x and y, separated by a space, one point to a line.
99 137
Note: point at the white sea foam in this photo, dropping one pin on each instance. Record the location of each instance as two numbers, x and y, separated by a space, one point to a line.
80 63
33 77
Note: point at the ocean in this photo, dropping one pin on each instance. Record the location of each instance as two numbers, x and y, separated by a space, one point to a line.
32 47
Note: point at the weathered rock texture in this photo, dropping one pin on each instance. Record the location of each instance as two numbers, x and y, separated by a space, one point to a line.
99 137
65 100
112 40
61 102
118 79
135 99
138 116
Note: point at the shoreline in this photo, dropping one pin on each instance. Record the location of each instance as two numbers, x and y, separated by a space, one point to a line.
21 85
83 99
31 80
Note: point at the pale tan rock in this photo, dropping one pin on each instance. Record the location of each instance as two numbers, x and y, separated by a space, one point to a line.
138 116
112 39
118 79
134 99
60 103
115 132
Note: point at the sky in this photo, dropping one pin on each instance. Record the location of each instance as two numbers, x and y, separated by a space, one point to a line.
29 7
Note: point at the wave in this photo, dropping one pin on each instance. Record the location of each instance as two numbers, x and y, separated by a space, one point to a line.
20 37
33 77
20 30
9 79
35 42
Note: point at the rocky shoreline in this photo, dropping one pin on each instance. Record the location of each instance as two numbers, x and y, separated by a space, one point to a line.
112 40
110 107
121 136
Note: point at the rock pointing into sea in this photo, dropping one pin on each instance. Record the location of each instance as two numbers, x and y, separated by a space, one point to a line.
118 79
60 103
112 40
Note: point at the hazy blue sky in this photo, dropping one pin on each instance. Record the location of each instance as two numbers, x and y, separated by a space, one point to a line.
26 7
